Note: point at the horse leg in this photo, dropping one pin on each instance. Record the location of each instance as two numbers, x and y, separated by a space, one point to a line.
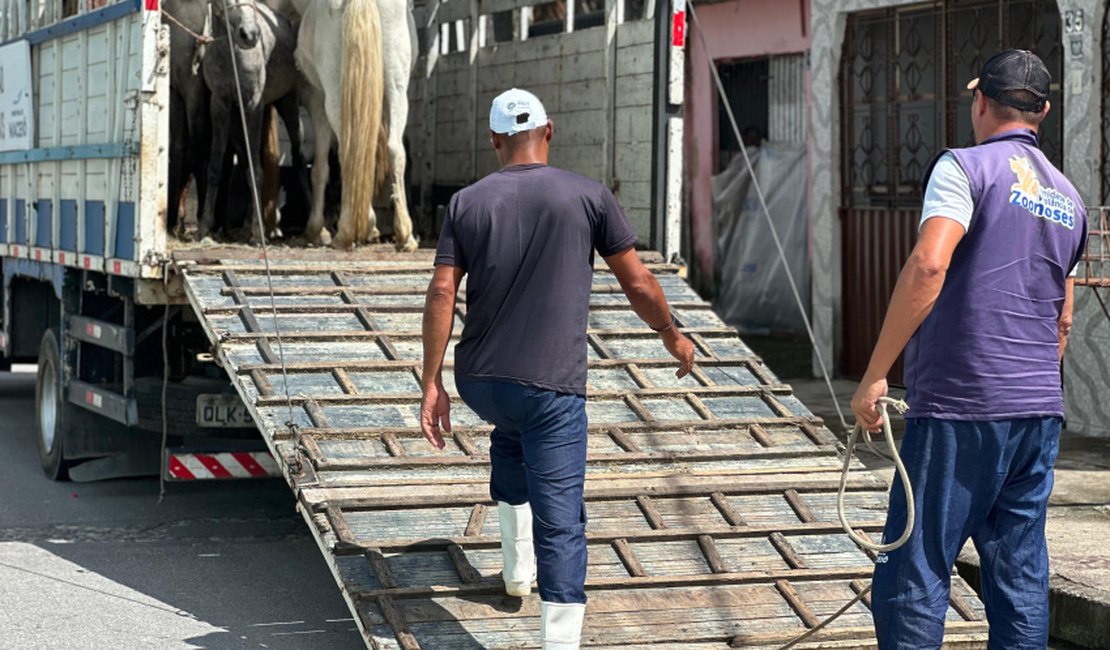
315 231
271 169
398 32
288 108
220 134
402 222
177 162
197 104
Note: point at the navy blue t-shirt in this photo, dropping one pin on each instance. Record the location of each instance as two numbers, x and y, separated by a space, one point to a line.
525 236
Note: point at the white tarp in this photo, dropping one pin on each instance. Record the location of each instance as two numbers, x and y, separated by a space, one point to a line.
17 112
754 293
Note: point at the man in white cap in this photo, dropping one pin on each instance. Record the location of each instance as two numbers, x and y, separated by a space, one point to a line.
526 236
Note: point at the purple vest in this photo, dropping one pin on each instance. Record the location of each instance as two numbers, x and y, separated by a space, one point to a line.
988 350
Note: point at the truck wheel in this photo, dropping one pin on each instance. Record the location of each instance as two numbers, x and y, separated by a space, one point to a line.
52 410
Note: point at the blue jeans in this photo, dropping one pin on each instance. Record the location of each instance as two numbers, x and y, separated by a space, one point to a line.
538 456
988 481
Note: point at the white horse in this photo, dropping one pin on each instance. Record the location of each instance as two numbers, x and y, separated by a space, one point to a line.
357 56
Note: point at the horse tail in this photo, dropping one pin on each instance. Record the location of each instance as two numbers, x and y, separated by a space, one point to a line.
361 95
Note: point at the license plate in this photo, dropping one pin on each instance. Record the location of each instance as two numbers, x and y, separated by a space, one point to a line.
219 411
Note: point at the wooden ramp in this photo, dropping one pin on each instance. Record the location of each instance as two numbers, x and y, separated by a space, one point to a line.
711 500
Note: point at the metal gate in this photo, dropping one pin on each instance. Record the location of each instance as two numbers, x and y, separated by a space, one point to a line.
903 98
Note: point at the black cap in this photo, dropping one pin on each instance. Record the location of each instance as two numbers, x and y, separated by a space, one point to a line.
1014 70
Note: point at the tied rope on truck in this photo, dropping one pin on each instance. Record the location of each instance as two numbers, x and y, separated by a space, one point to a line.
855 432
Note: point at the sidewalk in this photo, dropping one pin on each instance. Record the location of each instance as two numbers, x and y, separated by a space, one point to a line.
1078 527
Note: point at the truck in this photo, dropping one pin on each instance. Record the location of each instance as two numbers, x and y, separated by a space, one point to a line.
711 498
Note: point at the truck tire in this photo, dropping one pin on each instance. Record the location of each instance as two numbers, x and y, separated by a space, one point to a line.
53 412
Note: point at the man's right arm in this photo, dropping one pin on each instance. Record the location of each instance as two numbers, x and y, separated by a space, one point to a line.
650 305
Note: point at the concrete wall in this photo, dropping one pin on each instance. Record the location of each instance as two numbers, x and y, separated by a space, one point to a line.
596 85
1087 363
732 30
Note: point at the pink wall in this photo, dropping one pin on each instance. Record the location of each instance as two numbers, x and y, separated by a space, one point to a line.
733 30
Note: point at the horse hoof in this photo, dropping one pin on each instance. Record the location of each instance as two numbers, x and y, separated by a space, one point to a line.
342 243
321 239
409 245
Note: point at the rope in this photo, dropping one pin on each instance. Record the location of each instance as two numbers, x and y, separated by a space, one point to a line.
857 431
202 39
291 424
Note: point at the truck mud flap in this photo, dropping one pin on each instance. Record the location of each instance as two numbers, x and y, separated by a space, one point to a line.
711 499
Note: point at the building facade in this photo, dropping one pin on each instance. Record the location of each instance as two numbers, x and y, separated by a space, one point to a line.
886 88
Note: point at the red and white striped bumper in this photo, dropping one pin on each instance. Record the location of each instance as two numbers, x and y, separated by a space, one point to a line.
226 465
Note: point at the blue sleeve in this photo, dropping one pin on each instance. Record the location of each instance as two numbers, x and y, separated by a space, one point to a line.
612 232
948 193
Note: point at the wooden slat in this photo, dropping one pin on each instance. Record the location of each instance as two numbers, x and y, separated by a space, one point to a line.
787 551
651 513
360 497
262 383
467 573
718 533
477 520
392 445
797 604
397 622
631 397
628 558
493 585
798 504
731 514
760 435
315 413
344 380
463 440
371 365
622 440
712 555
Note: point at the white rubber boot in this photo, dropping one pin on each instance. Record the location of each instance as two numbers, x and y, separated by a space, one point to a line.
516 548
561 625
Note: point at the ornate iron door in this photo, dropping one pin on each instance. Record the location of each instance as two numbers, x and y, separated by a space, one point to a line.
903 99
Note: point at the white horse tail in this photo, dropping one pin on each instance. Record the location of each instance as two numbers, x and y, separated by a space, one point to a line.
361 96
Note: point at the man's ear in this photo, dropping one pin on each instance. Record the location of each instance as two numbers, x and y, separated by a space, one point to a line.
495 140
549 131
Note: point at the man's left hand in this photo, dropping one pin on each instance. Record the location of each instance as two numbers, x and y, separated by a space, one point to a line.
435 412
865 404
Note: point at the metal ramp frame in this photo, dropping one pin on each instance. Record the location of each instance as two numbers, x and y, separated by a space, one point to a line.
711 500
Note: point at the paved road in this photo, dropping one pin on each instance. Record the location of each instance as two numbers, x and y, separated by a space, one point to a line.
103 565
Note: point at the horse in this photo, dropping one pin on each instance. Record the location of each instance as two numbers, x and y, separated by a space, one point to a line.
356 56
262 42
189 123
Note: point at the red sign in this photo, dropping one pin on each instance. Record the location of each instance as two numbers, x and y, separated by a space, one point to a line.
152 5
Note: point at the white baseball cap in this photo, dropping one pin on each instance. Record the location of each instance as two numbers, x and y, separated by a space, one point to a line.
516 111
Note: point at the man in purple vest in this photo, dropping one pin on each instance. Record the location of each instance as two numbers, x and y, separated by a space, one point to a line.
525 237
982 308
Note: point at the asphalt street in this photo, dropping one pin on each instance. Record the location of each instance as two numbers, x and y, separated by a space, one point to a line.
104 565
